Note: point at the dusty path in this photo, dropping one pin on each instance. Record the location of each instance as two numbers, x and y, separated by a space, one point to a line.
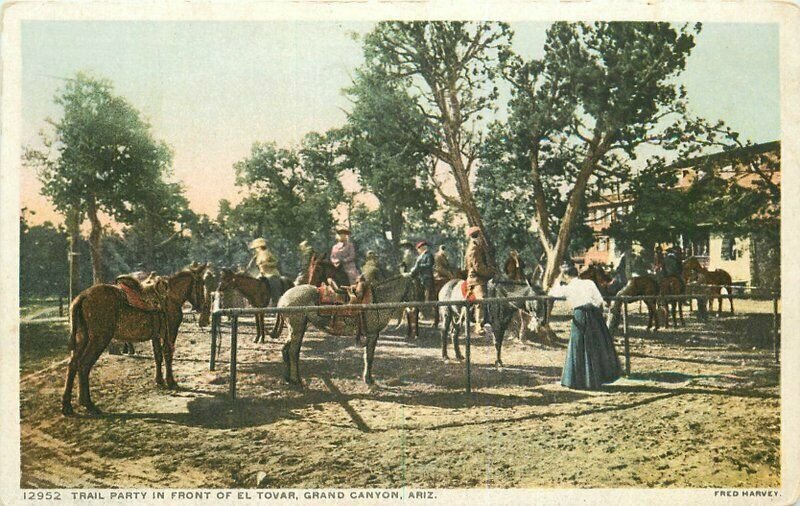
700 410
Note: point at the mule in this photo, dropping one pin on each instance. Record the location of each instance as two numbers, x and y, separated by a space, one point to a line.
640 285
500 313
395 289
692 269
102 313
259 292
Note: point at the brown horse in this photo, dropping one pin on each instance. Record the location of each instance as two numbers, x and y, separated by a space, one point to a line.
692 270
596 273
321 269
640 285
101 313
667 286
258 293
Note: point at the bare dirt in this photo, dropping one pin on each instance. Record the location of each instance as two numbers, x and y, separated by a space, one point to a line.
700 409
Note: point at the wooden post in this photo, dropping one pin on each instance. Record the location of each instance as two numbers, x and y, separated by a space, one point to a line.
234 338
468 338
212 363
625 338
776 338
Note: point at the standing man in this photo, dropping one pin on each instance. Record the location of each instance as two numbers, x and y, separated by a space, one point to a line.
343 254
372 270
423 269
478 274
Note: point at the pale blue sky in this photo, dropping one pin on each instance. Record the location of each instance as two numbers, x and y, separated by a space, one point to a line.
210 89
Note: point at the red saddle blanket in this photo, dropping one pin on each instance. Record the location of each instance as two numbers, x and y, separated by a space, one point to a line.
135 299
464 290
328 297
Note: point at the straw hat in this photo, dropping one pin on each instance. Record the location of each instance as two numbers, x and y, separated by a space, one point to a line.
258 243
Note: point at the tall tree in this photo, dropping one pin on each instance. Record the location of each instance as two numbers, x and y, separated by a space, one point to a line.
291 195
100 157
600 91
383 143
449 68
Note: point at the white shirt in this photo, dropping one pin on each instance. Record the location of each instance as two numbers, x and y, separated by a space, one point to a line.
579 292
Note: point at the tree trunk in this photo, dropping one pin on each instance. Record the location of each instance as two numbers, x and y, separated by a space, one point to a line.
94 244
73 230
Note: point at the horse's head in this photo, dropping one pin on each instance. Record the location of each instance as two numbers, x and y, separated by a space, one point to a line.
227 279
197 294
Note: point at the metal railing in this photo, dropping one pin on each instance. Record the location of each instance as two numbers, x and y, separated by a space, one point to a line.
217 313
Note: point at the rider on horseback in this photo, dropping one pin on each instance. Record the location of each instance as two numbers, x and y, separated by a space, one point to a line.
479 271
343 255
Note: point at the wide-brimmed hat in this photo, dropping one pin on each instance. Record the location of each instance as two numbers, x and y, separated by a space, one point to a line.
422 243
343 231
258 243
472 230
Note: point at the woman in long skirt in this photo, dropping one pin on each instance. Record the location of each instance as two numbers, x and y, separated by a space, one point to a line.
591 358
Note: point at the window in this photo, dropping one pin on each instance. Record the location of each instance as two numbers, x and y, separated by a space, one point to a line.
728 248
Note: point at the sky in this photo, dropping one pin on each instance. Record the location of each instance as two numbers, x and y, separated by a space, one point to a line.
212 89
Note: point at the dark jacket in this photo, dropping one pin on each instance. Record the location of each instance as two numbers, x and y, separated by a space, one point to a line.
423 267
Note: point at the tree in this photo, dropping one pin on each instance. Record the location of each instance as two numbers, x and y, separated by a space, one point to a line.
448 67
100 158
382 144
291 195
43 270
578 115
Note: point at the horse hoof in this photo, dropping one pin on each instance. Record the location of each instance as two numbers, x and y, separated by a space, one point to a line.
172 386
498 363
92 410
445 359
459 358
369 381
66 410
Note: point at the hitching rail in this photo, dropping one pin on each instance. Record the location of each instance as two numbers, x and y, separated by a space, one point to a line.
234 314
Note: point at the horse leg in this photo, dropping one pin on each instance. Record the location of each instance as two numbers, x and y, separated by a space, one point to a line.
369 357
447 320
66 399
169 351
730 299
157 356
456 330
719 304
91 353
498 343
293 351
680 312
277 328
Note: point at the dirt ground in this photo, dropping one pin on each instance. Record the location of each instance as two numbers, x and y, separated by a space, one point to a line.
700 409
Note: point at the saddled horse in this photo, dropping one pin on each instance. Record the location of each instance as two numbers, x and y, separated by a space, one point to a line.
395 289
102 313
500 313
259 292
637 286
692 269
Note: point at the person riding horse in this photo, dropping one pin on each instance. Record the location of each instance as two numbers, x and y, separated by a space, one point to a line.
423 270
267 264
343 255
514 267
479 271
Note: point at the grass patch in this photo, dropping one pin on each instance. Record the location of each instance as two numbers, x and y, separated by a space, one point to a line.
40 344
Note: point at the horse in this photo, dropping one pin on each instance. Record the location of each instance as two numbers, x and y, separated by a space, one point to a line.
607 285
669 286
718 277
394 289
321 269
259 292
102 313
500 313
640 285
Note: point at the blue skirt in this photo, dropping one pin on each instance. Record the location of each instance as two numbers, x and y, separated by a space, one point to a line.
591 358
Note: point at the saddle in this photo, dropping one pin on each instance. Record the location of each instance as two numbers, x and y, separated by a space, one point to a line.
359 293
147 295
466 293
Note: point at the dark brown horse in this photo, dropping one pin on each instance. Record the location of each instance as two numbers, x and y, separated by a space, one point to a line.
321 269
603 281
102 313
667 286
640 285
258 293
692 270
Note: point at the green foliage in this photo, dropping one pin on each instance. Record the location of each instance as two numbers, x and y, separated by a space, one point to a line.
43 259
291 196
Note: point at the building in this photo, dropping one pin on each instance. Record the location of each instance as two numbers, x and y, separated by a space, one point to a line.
749 260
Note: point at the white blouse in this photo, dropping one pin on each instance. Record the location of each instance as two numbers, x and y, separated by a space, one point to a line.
579 292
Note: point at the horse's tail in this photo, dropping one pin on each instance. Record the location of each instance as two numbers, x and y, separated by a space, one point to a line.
77 322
